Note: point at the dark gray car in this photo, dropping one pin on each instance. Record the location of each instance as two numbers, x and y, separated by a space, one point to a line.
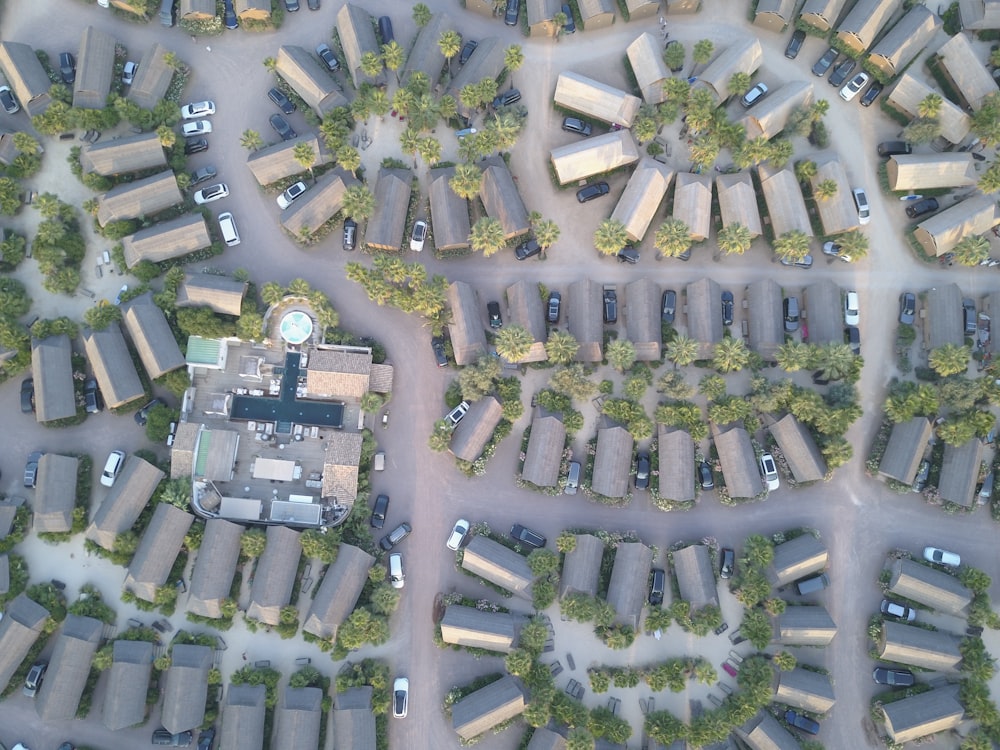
823 64
907 308
512 12
668 306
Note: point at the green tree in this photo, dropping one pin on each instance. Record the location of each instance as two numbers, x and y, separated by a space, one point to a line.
922 130
805 170
610 237
792 245
853 244
252 542
682 351
676 89
673 56
371 64
949 359
513 59
672 238
739 83
487 236
704 151
620 354
10 196
305 156
393 56
702 53
561 347
971 250
793 356
513 342
251 140
466 181
421 15
930 106
989 180
546 232
730 355
359 203
734 239
825 190
450 44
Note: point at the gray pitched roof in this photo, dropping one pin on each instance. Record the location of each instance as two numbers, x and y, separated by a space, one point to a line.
799 449
339 592
612 462
796 559
693 203
695 576
112 365
392 199
128 681
774 14
822 303
704 314
597 14
322 202
898 48
544 452
468 337
277 161
805 689
763 732
906 96
596 99
941 232
498 564
69 666
53 371
467 626
55 493
979 14
864 21
805 626
274 576
743 56
960 471
785 205
298 716
94 69
546 739
584 319
929 649
139 199
738 201
127 154
469 438
676 465
645 57
220 293
198 10
214 568
961 65
243 718
486 62
629 580
642 197
526 309
124 501
19 629
449 212
599 154
157 551
905 449
929 586
930 171
425 54
354 27
642 319
766 320
152 79
501 198
353 720
582 567
186 687
26 76
739 462
837 213
769 118
151 336
482 710
253 9
923 714
167 239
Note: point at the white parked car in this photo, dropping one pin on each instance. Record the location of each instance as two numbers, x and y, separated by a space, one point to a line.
852 311
861 201
288 197
458 534
396 577
942 557
211 193
853 86
455 415
128 73
197 109
418 236
769 471
400 697
112 467
199 127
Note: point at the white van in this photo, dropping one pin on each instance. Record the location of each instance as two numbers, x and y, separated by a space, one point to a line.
112 467
228 226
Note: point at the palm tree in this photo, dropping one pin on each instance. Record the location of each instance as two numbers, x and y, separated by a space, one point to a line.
561 347
971 250
419 84
371 64
922 130
270 63
359 203
251 140
805 170
421 15
469 96
450 44
704 151
949 359
447 107
26 144
702 53
559 19
780 152
546 232
792 356
304 154
739 83
673 55
393 56
507 126
730 355
930 106
644 128
682 351
430 150
610 237
734 239
349 158
166 135
513 343
989 181
792 246
620 354
402 101
853 244
409 142
487 89
487 236
836 361
466 181
672 238
825 190
513 59
676 89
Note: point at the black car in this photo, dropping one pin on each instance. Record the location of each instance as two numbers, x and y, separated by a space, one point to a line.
167 738
350 234
395 536
467 49
668 306
642 466
969 315
869 97
27 395
379 511
803 722
8 102
923 473
281 101
705 476
437 345
657 587
894 148
510 15
142 416
202 175
795 44
195 145
576 125
727 308
552 311
527 249
628 254
823 64
894 677
281 127
291 5
570 26
728 563
921 207
510 96
493 309
67 67
589 192
853 336
327 56
610 306
92 399
842 71
907 308
525 535
206 739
